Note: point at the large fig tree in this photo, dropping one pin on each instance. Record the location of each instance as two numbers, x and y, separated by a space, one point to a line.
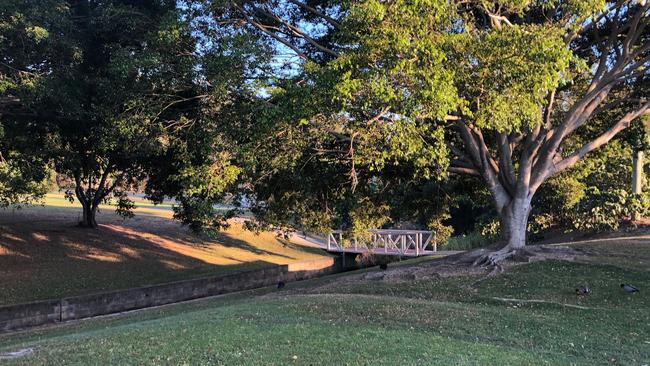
487 88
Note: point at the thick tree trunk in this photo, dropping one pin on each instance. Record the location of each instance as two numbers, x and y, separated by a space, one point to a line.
88 219
514 222
92 196
637 172
637 178
513 217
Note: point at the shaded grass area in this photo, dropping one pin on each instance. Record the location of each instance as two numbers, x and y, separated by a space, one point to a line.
43 254
345 319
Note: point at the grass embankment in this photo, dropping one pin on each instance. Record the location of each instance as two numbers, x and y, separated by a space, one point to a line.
370 319
43 254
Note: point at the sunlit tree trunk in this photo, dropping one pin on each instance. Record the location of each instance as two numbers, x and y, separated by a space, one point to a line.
514 221
637 177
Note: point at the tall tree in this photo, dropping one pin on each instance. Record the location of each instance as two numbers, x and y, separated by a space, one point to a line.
119 100
497 86
25 44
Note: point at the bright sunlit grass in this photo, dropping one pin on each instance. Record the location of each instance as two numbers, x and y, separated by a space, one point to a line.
142 206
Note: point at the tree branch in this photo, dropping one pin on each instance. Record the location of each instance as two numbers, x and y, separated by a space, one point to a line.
601 140
316 12
300 33
461 170
506 166
264 30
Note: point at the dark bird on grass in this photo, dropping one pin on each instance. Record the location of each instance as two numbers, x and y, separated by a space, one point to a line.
383 266
582 290
629 288
280 285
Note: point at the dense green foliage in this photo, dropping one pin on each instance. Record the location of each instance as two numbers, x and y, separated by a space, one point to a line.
326 114
383 99
23 41
112 94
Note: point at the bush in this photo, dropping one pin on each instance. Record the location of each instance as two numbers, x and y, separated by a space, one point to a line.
604 211
443 232
468 242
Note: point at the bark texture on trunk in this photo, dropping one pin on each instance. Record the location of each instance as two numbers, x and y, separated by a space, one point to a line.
514 164
91 196
513 217
637 178
89 213
514 221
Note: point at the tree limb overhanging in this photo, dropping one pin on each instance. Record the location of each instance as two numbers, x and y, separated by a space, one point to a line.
266 18
513 161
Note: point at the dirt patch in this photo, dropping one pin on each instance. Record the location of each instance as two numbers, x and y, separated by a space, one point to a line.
460 265
642 228
452 266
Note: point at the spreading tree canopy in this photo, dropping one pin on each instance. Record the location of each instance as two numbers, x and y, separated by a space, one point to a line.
112 93
23 41
369 97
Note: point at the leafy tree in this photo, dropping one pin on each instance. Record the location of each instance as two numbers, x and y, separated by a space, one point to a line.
491 89
121 98
24 44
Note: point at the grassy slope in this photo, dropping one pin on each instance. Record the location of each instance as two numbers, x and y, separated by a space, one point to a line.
43 254
442 321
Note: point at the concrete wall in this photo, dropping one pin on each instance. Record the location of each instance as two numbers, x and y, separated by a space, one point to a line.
22 316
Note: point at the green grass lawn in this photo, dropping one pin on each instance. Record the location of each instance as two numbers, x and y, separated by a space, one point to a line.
351 320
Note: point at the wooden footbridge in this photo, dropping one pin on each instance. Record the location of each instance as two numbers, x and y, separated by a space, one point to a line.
406 243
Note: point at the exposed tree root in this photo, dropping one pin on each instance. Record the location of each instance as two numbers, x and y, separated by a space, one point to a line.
494 259
498 269
475 263
497 258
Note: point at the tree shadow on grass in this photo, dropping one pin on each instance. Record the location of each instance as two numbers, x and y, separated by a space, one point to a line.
44 255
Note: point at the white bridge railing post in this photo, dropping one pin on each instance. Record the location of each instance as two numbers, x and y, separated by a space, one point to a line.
390 240
435 241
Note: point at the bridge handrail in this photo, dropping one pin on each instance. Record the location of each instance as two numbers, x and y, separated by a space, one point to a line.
388 231
403 241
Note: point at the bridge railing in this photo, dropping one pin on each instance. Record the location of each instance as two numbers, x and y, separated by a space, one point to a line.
403 242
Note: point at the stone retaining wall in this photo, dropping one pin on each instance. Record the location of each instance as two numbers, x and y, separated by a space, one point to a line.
20 316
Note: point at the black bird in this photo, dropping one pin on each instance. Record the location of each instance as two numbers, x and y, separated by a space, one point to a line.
629 288
280 285
582 290
383 266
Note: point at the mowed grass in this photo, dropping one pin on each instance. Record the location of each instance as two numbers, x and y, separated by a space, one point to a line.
44 254
350 319
142 206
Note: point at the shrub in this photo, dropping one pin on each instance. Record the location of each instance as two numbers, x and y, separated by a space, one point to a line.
468 242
